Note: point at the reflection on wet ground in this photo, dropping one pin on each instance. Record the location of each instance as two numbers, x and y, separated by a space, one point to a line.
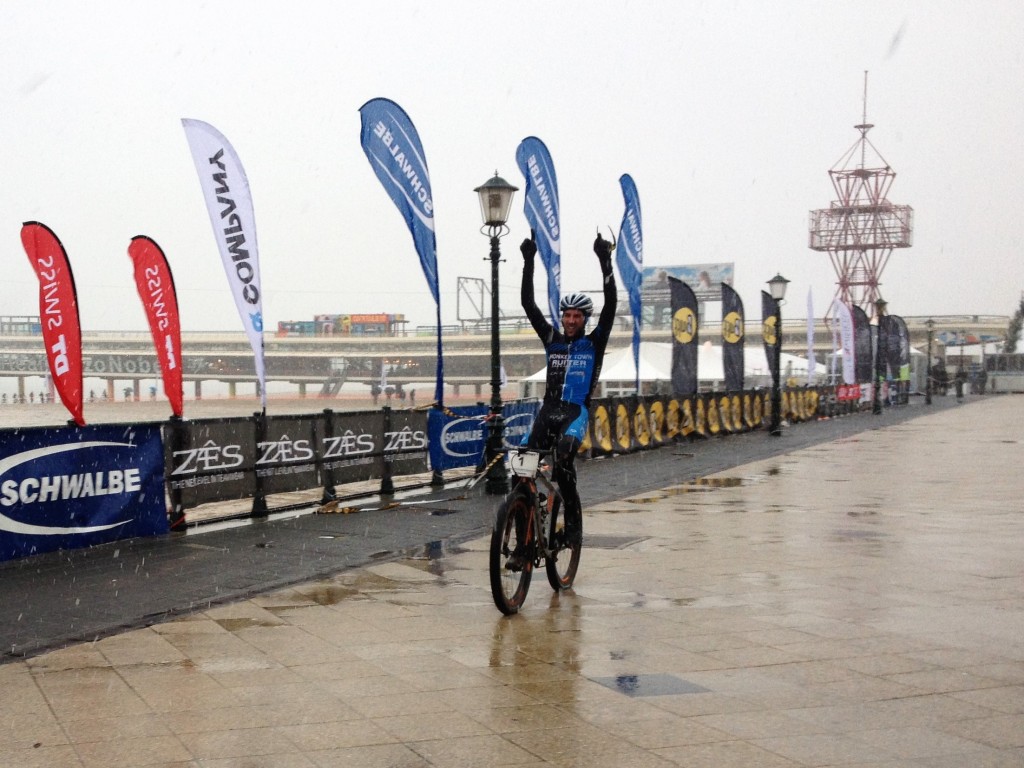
699 485
649 685
840 607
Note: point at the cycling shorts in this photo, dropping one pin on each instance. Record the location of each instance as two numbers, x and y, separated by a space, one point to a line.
555 421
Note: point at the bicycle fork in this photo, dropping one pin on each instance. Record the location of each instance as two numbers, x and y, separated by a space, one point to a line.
544 503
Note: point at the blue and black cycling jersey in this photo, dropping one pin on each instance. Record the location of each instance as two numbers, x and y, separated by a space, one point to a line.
574 366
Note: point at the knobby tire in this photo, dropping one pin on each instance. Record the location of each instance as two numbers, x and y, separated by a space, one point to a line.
509 588
564 561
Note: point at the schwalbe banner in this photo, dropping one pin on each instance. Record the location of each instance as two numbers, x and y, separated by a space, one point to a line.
540 206
71 488
629 256
458 436
393 147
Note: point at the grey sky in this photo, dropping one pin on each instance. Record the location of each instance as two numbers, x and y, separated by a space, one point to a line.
727 115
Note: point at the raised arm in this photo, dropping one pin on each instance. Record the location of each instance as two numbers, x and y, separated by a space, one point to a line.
537 319
603 249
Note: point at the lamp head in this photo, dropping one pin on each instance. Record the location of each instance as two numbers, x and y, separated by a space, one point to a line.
495 200
777 287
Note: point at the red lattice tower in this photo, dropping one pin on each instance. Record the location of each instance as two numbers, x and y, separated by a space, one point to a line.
860 229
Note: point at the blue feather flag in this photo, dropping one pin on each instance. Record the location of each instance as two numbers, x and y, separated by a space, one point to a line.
396 155
629 256
541 208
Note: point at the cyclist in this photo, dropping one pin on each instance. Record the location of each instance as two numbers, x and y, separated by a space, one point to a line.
574 365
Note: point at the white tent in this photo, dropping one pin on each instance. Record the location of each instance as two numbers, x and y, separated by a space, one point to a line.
618 374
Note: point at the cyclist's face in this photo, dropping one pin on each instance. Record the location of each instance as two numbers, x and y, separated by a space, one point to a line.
573 321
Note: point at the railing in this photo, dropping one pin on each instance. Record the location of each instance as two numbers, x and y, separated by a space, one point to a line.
257 465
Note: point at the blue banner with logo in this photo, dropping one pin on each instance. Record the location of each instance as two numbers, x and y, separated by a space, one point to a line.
457 437
65 488
629 256
540 204
396 155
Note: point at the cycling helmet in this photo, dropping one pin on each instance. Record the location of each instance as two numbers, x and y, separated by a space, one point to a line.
577 301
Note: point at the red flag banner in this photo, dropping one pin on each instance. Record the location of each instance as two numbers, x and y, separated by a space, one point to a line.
155 284
58 313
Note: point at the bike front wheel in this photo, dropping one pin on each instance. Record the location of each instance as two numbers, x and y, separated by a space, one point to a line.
510 541
564 560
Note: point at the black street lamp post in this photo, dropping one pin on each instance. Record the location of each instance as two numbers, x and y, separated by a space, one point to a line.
777 289
930 325
495 203
880 358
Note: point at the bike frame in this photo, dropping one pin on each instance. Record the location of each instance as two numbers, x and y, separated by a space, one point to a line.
526 525
528 468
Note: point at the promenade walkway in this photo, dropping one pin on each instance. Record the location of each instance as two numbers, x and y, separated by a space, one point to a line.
852 602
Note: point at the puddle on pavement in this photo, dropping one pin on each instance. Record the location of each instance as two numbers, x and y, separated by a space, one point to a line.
352 586
434 550
330 594
640 600
234 625
700 485
649 685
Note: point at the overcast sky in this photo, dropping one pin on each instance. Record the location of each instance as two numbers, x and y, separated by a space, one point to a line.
728 115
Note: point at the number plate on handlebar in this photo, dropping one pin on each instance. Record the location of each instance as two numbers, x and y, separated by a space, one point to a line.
524 464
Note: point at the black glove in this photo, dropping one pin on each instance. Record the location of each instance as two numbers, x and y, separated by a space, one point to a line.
529 247
603 249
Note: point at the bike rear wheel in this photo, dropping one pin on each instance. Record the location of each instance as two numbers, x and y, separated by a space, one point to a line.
564 559
510 536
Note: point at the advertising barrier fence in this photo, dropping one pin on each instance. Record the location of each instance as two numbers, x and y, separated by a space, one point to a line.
228 459
135 474
73 487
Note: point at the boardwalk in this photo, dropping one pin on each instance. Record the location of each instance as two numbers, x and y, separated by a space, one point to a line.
853 602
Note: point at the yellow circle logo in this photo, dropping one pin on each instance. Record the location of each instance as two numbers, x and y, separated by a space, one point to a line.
622 427
768 330
732 327
602 429
684 325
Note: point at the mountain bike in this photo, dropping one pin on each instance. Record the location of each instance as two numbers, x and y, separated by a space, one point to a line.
529 528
